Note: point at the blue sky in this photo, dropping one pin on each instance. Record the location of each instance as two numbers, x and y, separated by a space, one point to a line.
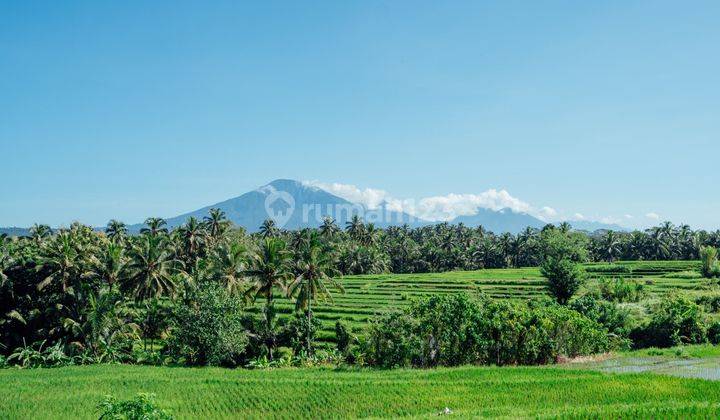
132 109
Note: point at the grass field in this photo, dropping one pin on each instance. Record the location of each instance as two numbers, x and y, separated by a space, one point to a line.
73 392
369 294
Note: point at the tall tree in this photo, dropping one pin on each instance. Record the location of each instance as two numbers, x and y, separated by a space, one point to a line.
270 269
152 269
116 230
316 270
154 226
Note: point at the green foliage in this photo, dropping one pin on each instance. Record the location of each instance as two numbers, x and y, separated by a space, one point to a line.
208 328
37 355
621 290
608 314
714 333
300 331
675 320
710 267
709 301
142 407
342 336
560 266
454 329
564 277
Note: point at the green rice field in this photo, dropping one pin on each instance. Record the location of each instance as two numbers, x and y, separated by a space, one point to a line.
369 294
74 392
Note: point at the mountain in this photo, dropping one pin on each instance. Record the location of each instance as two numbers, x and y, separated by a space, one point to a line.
501 221
293 205
589 226
14 231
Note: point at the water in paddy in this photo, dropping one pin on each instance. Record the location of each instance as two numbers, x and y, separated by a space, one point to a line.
705 368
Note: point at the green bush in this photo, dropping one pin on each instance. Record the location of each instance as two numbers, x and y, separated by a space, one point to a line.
295 332
455 329
710 301
564 277
714 333
675 321
621 290
615 319
142 407
342 336
710 267
208 328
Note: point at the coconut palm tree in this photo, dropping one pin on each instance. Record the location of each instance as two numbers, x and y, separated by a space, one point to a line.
270 269
216 223
192 236
315 271
268 229
329 228
154 226
111 266
152 268
40 232
609 246
355 228
229 262
64 258
116 230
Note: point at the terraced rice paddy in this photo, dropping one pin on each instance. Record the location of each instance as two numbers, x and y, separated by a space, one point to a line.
73 392
369 294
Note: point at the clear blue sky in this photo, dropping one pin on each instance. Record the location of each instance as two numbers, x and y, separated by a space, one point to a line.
132 109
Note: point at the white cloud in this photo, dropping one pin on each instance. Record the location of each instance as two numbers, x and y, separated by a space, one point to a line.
628 216
447 207
653 216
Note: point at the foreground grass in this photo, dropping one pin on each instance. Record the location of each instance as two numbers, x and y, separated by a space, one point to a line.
73 392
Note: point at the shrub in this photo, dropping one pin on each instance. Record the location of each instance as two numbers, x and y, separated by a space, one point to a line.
564 277
455 329
621 290
676 320
714 333
711 302
615 319
391 341
342 337
209 328
295 332
142 407
709 264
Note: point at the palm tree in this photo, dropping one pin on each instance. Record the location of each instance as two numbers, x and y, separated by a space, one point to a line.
216 223
116 230
192 236
268 229
609 246
154 226
152 269
355 228
329 228
565 227
229 263
112 266
40 232
314 270
270 269
63 257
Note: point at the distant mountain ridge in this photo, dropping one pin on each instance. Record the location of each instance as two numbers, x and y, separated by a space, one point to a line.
295 205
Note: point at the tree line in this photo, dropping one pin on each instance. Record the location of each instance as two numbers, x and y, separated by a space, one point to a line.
94 294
